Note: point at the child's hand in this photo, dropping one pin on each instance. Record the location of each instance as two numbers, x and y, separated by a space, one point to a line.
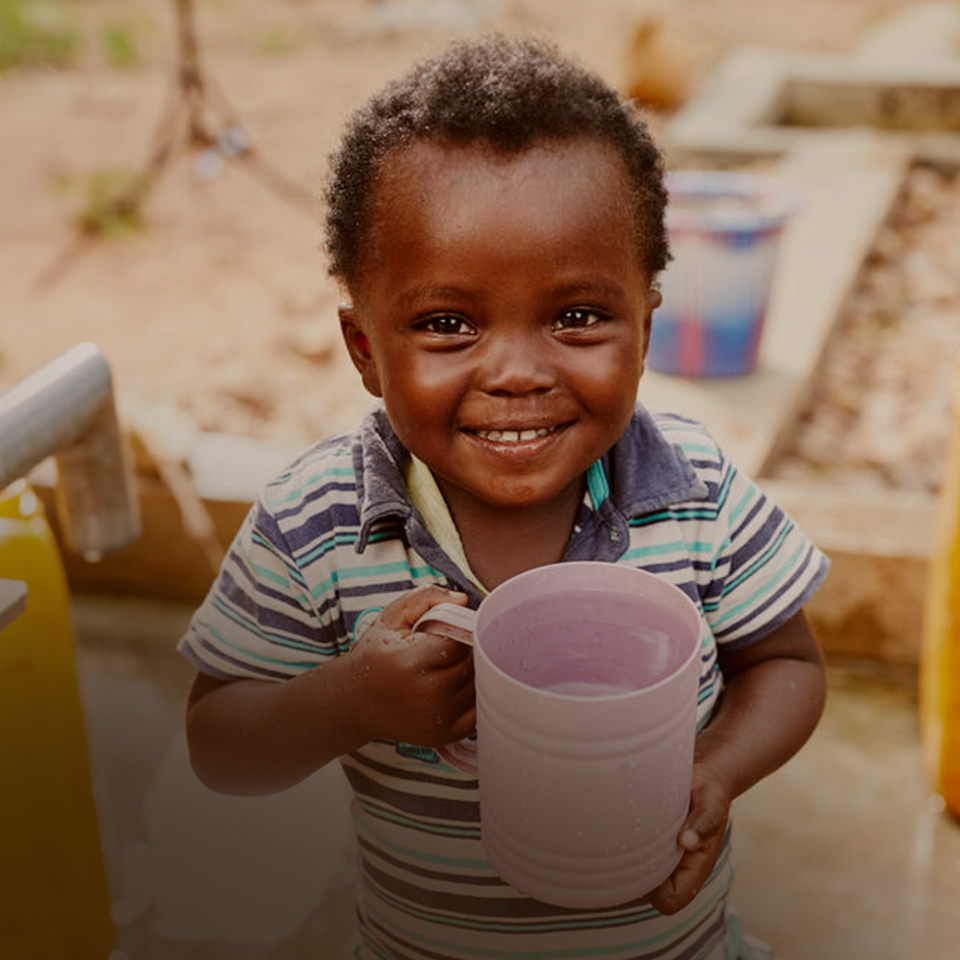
701 838
415 687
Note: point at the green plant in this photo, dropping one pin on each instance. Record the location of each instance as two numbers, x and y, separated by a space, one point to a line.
34 32
119 46
112 206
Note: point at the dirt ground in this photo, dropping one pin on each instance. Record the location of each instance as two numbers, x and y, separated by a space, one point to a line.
219 309
880 410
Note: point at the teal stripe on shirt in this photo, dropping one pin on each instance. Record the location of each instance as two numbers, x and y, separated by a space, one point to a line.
472 833
419 855
251 655
748 498
250 624
312 481
757 563
261 541
678 547
328 543
764 591
376 571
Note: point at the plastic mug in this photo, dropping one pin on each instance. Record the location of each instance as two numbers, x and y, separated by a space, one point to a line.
586 684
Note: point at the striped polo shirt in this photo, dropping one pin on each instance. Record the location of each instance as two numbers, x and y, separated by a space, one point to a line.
334 539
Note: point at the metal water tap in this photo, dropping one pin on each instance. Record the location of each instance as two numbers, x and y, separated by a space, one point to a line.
66 409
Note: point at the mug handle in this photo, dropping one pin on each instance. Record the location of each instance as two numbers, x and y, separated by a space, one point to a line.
456 623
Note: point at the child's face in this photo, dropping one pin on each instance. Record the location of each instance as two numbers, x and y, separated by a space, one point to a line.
503 315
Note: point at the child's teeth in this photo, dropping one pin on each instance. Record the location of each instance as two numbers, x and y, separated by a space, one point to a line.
513 436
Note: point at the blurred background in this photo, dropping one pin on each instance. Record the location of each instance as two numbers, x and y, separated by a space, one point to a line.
163 162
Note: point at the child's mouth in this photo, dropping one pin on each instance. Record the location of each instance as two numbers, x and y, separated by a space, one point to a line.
515 436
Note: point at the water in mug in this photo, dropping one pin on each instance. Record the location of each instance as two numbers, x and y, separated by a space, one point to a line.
587 643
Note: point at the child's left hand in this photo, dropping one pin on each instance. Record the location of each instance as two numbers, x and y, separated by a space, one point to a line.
701 838
773 696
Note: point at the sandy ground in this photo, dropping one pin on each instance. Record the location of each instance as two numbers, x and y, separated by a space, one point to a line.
220 308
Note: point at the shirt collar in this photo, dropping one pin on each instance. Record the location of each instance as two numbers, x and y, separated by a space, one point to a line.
641 473
646 472
377 463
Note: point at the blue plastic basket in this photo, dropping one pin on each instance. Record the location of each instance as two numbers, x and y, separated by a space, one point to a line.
724 232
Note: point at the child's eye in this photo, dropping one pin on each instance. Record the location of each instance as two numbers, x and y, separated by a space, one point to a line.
577 319
448 325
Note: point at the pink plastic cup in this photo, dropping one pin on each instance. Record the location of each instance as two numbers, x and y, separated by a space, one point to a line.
586 680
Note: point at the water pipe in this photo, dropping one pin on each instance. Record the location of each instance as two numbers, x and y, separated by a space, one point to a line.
49 830
67 409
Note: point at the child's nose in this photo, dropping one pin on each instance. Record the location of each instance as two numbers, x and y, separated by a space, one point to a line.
516 365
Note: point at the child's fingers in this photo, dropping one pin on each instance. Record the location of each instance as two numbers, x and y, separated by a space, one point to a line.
439 652
404 612
703 827
707 819
465 725
690 839
683 884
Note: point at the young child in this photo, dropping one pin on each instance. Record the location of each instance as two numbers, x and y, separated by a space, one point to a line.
496 219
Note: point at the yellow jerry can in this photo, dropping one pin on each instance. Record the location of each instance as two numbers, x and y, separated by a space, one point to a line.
940 658
54 900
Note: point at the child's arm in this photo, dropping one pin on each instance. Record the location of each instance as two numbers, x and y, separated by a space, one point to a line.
258 736
774 692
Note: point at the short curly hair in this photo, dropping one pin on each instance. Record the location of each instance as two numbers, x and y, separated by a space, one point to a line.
508 93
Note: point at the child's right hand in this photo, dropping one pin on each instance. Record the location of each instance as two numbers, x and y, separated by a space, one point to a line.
413 687
701 838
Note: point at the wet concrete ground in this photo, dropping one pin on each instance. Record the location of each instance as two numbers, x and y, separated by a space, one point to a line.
841 855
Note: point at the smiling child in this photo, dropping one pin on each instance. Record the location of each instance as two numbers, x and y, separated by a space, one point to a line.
496 222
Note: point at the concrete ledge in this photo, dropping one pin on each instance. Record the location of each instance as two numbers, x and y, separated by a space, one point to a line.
871 608
846 184
903 79
891 524
880 542
164 563
226 471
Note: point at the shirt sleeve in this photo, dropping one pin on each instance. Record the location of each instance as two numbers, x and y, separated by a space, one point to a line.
764 569
258 620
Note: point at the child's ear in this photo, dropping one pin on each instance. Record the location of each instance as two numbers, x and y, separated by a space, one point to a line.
654 299
358 346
